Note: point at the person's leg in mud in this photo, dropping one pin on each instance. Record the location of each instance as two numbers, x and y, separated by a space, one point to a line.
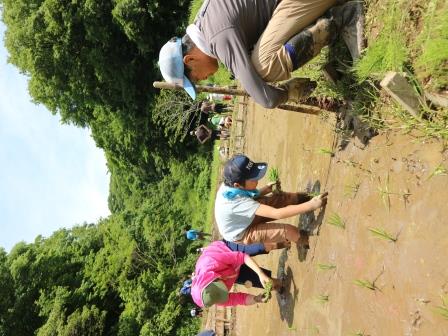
270 56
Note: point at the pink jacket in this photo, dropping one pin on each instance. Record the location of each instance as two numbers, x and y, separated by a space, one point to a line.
218 261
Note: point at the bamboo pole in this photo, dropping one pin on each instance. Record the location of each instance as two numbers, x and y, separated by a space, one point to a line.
302 108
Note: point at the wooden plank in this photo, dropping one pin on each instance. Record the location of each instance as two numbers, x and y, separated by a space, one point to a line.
397 86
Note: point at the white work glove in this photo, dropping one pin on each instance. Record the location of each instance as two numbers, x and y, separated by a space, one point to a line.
319 201
298 88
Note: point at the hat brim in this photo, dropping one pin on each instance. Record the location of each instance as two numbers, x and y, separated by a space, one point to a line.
189 87
257 171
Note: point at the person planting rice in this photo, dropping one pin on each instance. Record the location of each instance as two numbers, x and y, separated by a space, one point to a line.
219 268
260 41
243 213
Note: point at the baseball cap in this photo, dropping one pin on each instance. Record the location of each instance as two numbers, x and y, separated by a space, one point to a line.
171 65
241 168
215 292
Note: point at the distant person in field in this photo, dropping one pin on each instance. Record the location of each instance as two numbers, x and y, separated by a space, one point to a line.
210 107
196 312
194 234
204 134
219 268
244 213
220 122
259 42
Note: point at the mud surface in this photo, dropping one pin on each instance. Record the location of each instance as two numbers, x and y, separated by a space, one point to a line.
387 185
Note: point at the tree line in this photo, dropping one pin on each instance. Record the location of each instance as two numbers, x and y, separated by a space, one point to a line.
93 63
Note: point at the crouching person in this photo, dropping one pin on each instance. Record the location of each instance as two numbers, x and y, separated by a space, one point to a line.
218 268
244 214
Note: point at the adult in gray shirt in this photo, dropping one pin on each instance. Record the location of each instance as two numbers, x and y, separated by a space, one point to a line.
259 41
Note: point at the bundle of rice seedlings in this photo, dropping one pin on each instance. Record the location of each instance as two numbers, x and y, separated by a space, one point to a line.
267 292
274 176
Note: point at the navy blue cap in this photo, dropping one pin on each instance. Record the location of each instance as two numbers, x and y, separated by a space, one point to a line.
240 168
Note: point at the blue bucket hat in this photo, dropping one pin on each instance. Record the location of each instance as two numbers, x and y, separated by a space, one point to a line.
171 66
241 168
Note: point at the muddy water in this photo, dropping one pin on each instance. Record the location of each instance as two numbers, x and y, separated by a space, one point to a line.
387 185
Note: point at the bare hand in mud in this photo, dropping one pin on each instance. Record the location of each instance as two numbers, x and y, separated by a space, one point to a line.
319 201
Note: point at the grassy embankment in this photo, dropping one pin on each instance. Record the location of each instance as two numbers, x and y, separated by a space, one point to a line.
403 36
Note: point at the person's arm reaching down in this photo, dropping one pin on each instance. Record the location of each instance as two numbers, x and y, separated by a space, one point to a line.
292 210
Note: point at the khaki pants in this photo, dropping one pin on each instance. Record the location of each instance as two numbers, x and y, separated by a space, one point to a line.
269 56
273 234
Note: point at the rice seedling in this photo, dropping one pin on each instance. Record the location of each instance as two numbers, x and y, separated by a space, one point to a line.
267 292
351 189
385 193
442 310
325 267
440 170
325 151
365 284
274 176
313 193
382 234
359 333
336 220
322 298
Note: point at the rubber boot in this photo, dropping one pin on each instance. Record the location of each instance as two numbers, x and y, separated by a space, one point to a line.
349 19
308 43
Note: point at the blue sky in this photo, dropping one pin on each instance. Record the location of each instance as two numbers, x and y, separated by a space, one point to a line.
51 175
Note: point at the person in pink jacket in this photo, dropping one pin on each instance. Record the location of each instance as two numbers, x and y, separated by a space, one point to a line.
218 268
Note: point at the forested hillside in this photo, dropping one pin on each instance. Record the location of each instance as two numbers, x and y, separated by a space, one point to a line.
93 63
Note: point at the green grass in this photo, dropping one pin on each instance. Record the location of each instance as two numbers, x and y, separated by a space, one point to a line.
365 284
431 45
336 220
195 5
325 267
388 52
382 234
214 180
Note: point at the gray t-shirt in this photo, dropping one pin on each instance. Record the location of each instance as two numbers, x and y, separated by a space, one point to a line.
233 216
231 28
